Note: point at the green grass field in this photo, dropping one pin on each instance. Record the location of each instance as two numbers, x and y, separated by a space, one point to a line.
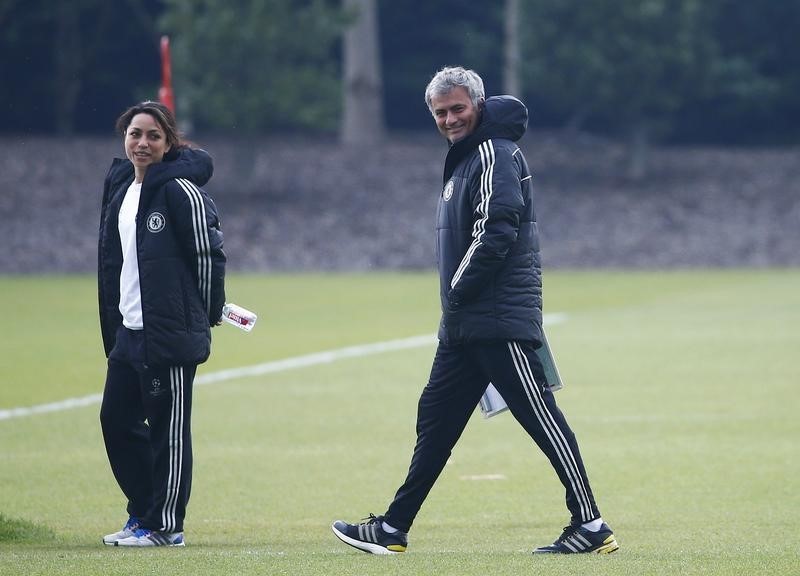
681 386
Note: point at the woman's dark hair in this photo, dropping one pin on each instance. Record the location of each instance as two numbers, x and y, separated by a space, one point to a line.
161 114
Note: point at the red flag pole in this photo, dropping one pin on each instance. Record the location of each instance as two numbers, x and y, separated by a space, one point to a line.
165 95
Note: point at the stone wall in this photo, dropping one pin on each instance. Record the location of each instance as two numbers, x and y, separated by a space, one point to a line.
296 204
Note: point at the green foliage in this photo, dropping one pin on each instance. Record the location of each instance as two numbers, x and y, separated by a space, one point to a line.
69 66
618 62
679 66
249 66
714 70
757 73
419 38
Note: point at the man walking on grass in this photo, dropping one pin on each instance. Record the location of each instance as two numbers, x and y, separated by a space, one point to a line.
488 258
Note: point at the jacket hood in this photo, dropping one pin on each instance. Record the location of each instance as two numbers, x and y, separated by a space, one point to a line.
191 163
501 117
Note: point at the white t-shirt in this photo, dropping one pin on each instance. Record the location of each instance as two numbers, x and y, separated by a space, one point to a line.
130 296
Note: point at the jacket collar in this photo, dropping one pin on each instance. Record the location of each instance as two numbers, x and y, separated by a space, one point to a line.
501 117
191 163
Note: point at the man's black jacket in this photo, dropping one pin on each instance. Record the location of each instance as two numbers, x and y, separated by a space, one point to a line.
487 239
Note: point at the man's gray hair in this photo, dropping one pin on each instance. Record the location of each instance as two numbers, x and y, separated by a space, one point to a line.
451 77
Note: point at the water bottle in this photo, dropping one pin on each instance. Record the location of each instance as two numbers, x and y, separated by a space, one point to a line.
239 317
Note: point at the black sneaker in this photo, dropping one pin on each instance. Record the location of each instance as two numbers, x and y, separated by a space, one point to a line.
579 540
370 536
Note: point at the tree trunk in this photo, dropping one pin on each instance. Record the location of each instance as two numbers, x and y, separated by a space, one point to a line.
362 121
511 72
576 120
639 151
68 64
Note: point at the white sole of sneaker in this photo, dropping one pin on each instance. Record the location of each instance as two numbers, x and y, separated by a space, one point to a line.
155 541
363 546
180 544
111 540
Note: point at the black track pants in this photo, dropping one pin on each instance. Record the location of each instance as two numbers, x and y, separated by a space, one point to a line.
459 377
146 422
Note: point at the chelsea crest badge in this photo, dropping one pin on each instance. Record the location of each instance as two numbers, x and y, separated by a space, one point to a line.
447 193
156 222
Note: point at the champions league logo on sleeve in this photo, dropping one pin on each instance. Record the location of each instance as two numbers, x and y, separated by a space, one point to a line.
155 388
156 222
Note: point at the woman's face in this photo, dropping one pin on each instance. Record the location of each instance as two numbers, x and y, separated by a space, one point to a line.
145 143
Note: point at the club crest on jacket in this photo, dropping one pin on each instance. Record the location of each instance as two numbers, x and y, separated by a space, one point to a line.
156 222
447 193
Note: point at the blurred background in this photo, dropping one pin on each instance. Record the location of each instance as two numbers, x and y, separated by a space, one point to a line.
663 133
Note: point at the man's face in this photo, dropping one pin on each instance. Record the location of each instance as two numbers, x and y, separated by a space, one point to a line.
455 115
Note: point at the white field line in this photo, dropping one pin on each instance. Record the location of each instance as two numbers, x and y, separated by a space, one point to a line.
481 477
295 362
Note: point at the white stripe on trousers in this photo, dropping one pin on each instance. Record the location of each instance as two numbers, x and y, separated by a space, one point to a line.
202 243
551 429
175 449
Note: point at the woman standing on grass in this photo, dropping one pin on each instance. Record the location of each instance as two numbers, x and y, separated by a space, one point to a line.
161 276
